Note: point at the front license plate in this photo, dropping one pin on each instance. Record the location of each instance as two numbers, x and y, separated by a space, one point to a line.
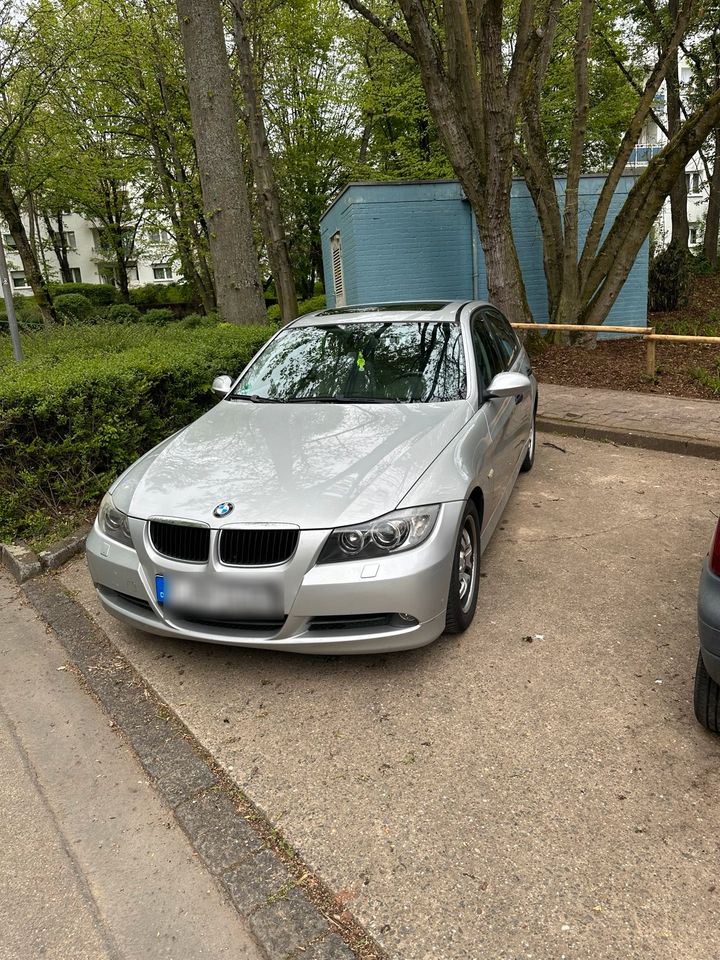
223 601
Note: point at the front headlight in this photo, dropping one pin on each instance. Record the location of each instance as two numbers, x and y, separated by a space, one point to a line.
113 522
397 531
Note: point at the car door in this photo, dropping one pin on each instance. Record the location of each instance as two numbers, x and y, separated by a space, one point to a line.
512 357
498 412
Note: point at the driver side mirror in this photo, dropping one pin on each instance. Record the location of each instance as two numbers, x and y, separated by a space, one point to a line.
508 385
221 386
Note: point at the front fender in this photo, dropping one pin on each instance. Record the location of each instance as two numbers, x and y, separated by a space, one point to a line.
457 470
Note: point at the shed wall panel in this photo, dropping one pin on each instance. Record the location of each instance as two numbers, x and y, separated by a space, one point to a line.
419 240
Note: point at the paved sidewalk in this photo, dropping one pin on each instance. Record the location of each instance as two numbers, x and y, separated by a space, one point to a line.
653 421
93 865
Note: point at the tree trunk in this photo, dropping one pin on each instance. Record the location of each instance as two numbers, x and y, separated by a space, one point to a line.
475 118
678 191
11 214
269 199
629 141
59 245
569 305
633 222
173 178
222 178
712 220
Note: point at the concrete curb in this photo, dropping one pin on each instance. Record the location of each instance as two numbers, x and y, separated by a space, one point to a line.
666 443
263 878
24 564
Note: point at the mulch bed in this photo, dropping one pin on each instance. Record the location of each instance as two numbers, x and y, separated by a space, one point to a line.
620 364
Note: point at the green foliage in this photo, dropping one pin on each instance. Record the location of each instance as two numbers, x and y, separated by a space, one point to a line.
612 98
305 306
89 400
100 294
402 141
122 313
27 313
158 316
699 265
669 279
194 320
73 308
162 295
708 378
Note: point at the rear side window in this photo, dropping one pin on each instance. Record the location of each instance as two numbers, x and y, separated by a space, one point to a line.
505 336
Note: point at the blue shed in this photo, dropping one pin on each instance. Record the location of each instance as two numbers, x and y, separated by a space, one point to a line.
415 240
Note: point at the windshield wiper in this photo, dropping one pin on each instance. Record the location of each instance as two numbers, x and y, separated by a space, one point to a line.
252 397
341 398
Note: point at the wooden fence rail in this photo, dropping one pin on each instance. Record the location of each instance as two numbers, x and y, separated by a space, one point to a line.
647 333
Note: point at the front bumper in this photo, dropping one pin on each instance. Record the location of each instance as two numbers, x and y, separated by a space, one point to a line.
709 621
350 607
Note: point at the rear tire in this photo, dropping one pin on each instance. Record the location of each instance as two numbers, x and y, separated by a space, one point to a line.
707 698
529 460
465 574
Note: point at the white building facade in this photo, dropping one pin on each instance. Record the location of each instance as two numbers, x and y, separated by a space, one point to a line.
156 260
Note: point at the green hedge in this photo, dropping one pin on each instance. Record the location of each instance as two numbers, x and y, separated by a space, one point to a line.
73 308
89 400
100 294
162 295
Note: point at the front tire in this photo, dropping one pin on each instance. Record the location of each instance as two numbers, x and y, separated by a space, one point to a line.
465 575
707 698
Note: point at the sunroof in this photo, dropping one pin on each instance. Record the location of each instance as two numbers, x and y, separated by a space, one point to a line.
426 306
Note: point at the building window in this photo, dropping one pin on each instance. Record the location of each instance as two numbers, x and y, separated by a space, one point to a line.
9 242
337 270
70 240
158 235
693 183
75 274
19 281
162 271
693 236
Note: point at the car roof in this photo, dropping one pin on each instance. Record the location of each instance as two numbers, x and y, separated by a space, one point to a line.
430 311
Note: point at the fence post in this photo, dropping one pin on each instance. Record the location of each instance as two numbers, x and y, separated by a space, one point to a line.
650 363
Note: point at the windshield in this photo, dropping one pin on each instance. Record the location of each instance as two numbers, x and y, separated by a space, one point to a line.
363 362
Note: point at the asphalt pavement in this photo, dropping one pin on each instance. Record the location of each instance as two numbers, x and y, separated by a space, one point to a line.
537 787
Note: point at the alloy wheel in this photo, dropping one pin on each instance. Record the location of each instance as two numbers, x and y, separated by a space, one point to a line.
467 563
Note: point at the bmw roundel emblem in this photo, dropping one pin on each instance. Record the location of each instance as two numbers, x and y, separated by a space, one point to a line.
223 509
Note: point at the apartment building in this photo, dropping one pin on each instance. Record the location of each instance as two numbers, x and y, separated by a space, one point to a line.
91 262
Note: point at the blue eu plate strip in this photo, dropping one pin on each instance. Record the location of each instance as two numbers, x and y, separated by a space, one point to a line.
160 588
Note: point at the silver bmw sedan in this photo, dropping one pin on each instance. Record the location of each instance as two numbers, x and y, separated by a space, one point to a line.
338 497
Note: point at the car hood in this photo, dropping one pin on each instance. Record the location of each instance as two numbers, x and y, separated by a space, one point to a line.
313 465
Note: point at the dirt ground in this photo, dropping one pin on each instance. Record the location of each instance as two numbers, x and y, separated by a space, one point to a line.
620 364
537 787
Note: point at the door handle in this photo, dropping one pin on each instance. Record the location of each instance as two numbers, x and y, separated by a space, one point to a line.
519 397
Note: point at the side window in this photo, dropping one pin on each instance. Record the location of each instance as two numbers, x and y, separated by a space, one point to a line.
487 355
505 336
